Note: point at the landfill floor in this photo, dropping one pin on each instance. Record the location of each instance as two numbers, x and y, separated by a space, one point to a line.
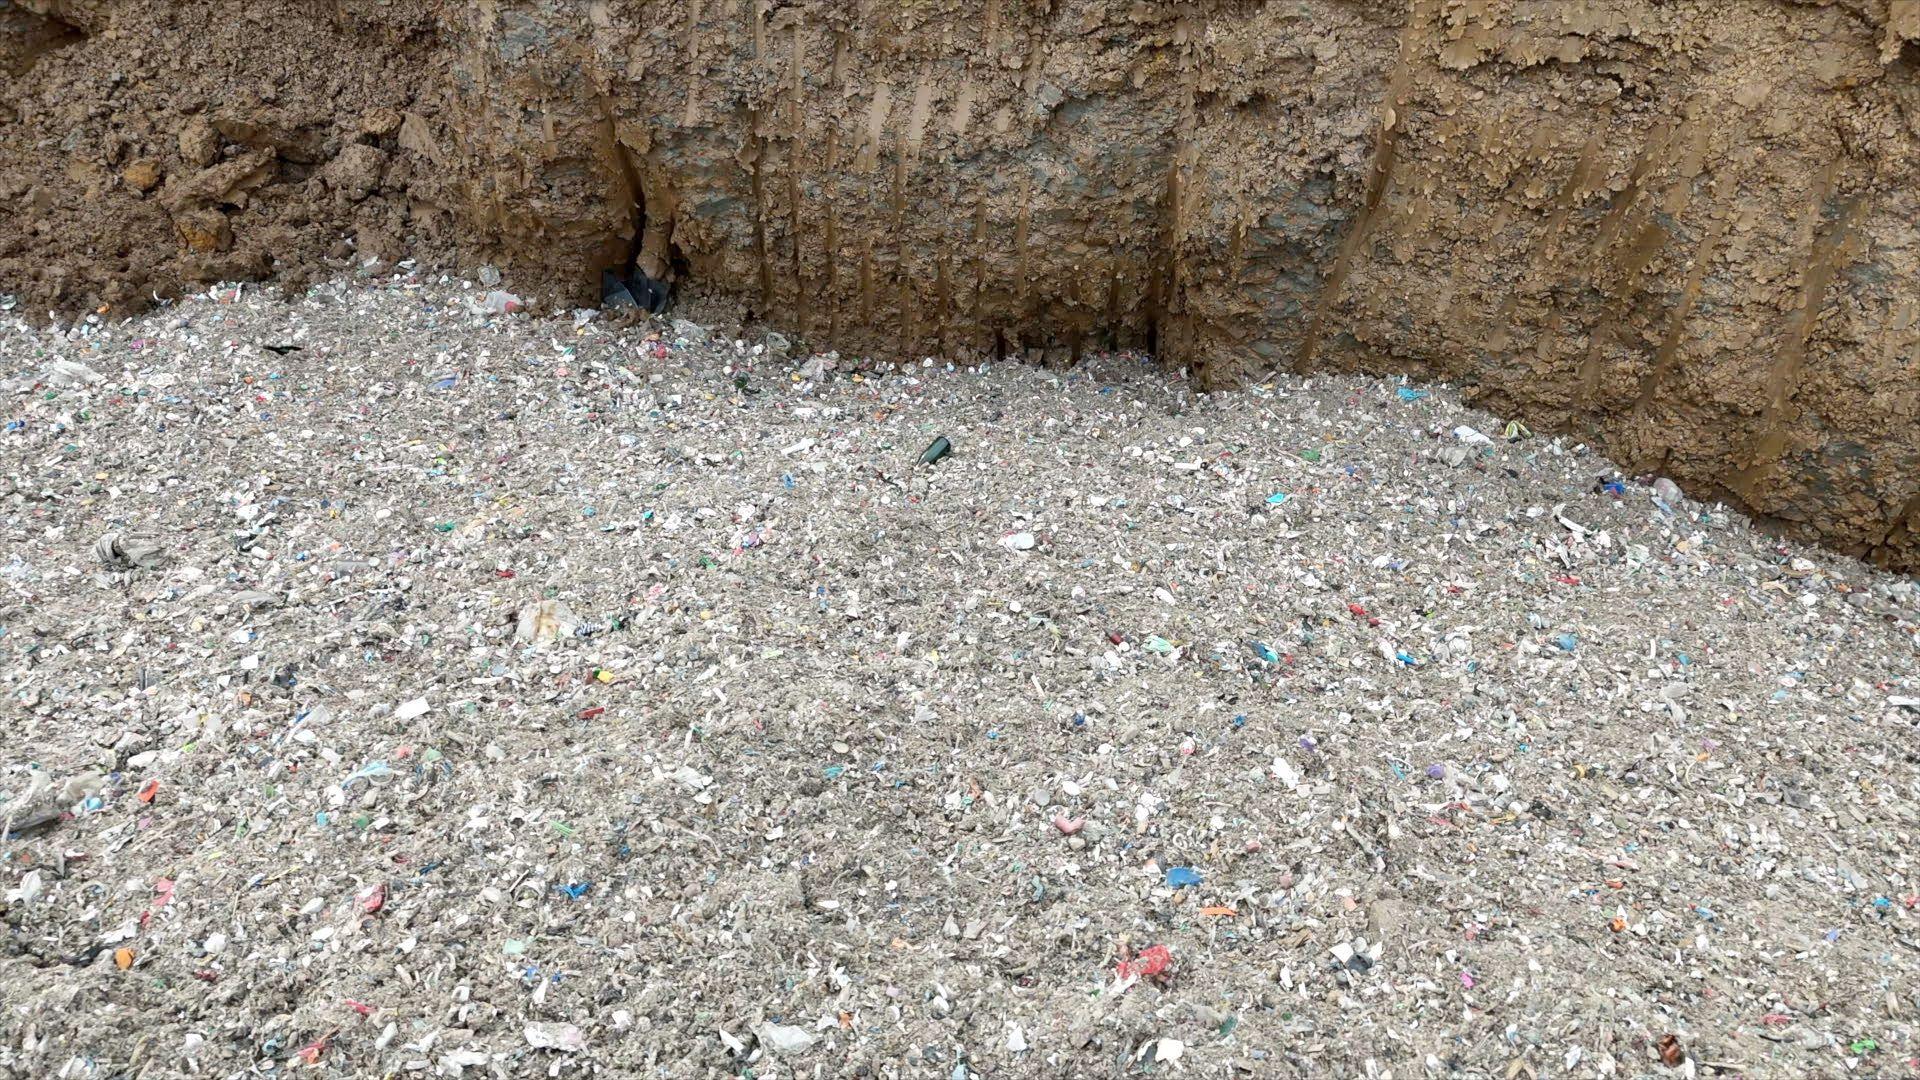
469 693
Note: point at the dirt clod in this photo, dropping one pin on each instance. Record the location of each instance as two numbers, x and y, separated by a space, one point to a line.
204 230
143 175
199 143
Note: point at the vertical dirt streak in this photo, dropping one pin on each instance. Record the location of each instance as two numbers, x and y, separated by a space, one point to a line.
1541 262
754 153
1666 357
1379 179
1825 252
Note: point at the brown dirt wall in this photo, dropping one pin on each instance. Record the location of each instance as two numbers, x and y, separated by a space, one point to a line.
1687 231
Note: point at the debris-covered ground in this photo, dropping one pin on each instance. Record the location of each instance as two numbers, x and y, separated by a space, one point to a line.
396 686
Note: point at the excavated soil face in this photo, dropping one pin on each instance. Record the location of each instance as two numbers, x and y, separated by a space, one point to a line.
1685 230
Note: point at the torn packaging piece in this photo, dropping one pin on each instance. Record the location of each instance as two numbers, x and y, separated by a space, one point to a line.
118 551
784 1038
565 1038
544 621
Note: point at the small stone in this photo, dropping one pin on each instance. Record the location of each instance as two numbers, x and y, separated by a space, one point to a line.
355 174
380 121
204 231
143 175
199 143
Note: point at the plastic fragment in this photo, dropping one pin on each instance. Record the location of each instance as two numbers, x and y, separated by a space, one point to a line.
371 771
1163 1049
1152 961
70 374
32 885
119 551
566 1038
784 1038
635 291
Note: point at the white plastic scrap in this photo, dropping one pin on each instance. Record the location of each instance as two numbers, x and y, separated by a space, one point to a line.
69 374
29 889
565 1038
1284 771
784 1038
691 778
1158 1050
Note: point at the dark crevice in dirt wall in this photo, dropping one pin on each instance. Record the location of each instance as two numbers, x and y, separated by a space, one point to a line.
624 249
